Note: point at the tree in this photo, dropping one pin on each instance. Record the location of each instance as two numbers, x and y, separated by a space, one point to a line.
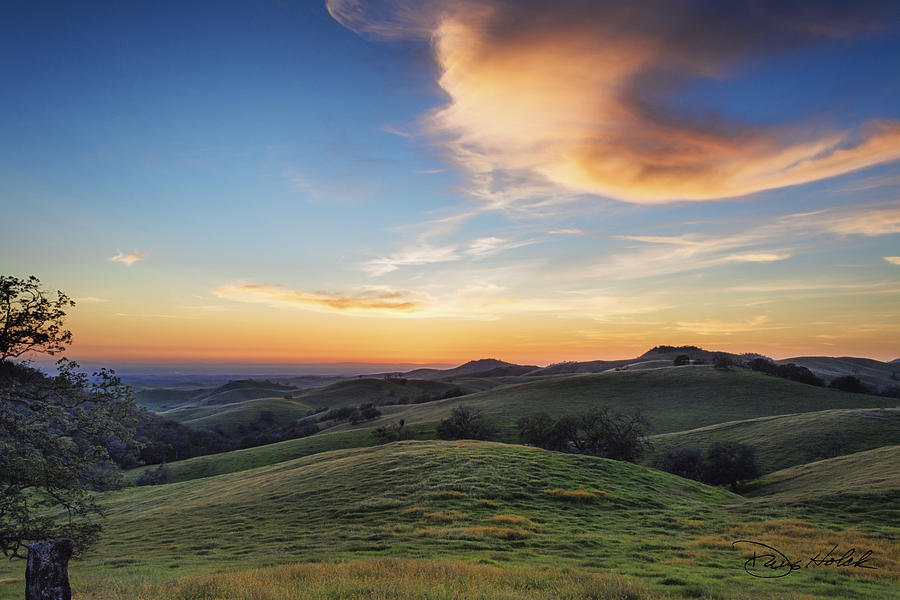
30 320
681 359
600 432
849 383
55 431
391 433
730 463
465 423
604 432
721 361
684 462
763 365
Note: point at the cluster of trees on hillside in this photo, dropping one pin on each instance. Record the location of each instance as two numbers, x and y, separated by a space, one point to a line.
598 432
725 463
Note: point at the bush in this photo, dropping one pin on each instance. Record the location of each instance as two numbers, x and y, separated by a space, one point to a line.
157 476
721 361
730 463
391 433
681 359
684 462
798 374
465 423
599 433
763 366
849 383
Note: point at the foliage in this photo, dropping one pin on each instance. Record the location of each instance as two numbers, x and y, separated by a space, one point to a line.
158 476
684 462
55 431
681 359
31 321
721 361
849 383
391 433
599 432
763 365
729 463
798 374
54 439
466 423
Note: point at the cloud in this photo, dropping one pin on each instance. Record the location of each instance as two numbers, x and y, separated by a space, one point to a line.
716 327
874 221
130 258
894 260
576 96
757 257
90 299
368 300
414 255
486 246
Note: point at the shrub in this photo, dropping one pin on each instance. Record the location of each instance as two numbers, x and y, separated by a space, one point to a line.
848 383
158 476
730 463
391 433
684 462
465 423
681 359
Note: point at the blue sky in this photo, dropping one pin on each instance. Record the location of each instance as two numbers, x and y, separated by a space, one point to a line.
429 182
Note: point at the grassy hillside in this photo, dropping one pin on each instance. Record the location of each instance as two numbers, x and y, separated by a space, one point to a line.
786 440
227 418
270 454
157 399
477 502
364 390
861 488
673 398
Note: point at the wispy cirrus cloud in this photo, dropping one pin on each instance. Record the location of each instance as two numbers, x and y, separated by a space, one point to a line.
894 260
91 299
369 300
576 95
717 327
129 258
416 255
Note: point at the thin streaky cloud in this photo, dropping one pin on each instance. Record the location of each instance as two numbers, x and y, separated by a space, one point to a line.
129 258
377 300
894 260
91 299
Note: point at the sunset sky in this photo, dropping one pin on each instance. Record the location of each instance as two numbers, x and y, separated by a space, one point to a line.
428 182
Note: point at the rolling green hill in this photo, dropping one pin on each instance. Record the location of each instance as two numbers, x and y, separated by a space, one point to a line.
228 418
861 486
363 390
672 398
472 501
786 440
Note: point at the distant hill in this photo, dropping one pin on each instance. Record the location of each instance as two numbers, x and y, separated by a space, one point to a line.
875 374
485 367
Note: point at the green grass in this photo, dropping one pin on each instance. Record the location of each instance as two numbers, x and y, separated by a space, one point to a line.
270 454
363 390
673 399
227 418
427 500
783 441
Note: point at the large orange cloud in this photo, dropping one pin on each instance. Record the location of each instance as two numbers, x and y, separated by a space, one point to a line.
574 95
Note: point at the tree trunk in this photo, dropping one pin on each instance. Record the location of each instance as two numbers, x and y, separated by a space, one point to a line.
47 574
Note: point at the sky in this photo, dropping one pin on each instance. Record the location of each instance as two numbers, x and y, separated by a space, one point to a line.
434 182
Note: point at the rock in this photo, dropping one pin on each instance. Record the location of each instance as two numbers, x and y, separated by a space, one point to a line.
47 573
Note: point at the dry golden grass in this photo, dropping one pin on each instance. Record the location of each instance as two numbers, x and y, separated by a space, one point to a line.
572 495
446 494
801 540
489 503
517 520
447 515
